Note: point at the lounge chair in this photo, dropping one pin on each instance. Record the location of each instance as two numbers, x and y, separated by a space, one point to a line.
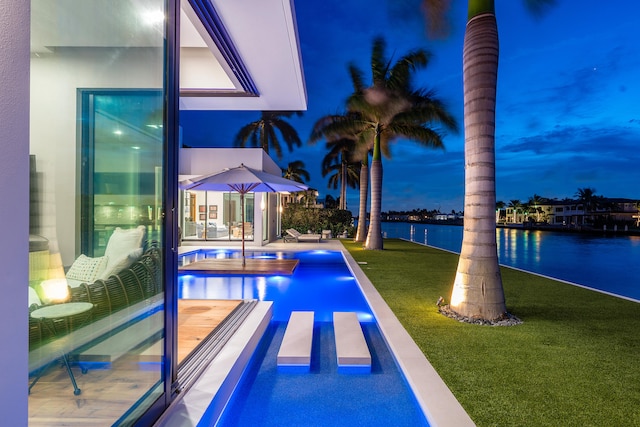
296 236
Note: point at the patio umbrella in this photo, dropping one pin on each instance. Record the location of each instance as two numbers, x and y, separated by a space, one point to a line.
242 179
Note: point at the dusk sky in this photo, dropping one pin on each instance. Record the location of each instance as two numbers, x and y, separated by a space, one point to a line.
568 113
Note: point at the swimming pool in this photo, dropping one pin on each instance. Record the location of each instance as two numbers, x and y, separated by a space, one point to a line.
268 397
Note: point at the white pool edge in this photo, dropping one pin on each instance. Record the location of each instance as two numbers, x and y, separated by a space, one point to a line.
438 403
211 392
214 388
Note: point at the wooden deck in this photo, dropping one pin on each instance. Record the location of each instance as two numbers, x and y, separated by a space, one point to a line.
197 318
234 266
109 393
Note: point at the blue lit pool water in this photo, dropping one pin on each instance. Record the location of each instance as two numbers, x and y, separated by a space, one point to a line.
321 283
322 397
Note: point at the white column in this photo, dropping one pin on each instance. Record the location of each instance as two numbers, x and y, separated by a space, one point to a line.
14 213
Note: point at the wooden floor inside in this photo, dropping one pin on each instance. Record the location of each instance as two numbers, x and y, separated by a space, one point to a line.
108 393
234 266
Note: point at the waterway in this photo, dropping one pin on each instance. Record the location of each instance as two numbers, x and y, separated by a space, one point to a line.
609 263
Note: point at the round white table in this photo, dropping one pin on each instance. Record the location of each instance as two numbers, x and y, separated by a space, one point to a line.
61 311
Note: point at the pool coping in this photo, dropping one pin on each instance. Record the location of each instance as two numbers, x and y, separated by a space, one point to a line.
434 398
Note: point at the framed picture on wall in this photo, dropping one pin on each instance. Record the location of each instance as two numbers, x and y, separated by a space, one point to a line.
213 215
213 208
202 208
203 217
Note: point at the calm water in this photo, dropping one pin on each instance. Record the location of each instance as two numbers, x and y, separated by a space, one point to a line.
607 263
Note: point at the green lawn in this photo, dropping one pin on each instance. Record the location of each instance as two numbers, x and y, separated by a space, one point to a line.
575 361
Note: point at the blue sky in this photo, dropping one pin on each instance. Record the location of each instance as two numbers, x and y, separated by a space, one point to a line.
568 94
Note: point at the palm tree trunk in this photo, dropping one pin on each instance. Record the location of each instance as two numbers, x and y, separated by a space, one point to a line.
374 236
343 185
361 233
477 289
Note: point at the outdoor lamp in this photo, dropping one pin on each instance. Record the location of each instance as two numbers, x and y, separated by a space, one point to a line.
54 291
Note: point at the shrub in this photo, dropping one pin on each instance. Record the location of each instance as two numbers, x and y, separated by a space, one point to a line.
315 220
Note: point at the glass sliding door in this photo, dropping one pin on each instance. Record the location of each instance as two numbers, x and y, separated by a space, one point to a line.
121 159
101 148
233 216
214 216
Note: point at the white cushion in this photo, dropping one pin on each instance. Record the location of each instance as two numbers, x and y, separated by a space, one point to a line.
87 269
122 242
33 297
121 245
114 267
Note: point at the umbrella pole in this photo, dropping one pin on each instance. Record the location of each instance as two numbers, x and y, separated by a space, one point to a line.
242 219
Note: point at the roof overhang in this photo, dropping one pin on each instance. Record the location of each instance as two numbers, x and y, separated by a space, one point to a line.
234 54
240 55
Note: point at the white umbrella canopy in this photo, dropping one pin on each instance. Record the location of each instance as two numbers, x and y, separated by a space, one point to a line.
242 179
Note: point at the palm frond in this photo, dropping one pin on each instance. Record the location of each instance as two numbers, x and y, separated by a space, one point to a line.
401 73
379 65
424 136
357 78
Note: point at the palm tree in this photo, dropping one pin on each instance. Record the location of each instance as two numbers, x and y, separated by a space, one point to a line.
262 132
338 160
588 198
477 289
295 171
516 205
334 127
534 202
390 109
342 173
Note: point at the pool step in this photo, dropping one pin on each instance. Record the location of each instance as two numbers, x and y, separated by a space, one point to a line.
351 347
295 349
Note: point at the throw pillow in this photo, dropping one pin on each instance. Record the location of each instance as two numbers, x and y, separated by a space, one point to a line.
120 264
122 242
87 269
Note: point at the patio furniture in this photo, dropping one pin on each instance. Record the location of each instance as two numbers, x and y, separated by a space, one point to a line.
47 315
298 237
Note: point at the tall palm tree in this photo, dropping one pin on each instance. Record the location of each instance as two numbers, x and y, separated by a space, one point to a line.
347 125
262 132
341 173
477 289
338 160
390 109
295 171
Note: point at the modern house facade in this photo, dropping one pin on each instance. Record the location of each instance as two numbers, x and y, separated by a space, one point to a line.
572 213
90 93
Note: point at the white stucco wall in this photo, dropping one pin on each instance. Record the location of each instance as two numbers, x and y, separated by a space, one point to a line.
55 80
14 213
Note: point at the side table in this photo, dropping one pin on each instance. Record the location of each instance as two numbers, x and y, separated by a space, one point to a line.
65 311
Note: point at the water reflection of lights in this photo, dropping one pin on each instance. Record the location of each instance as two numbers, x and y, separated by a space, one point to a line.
365 317
261 286
344 278
320 252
